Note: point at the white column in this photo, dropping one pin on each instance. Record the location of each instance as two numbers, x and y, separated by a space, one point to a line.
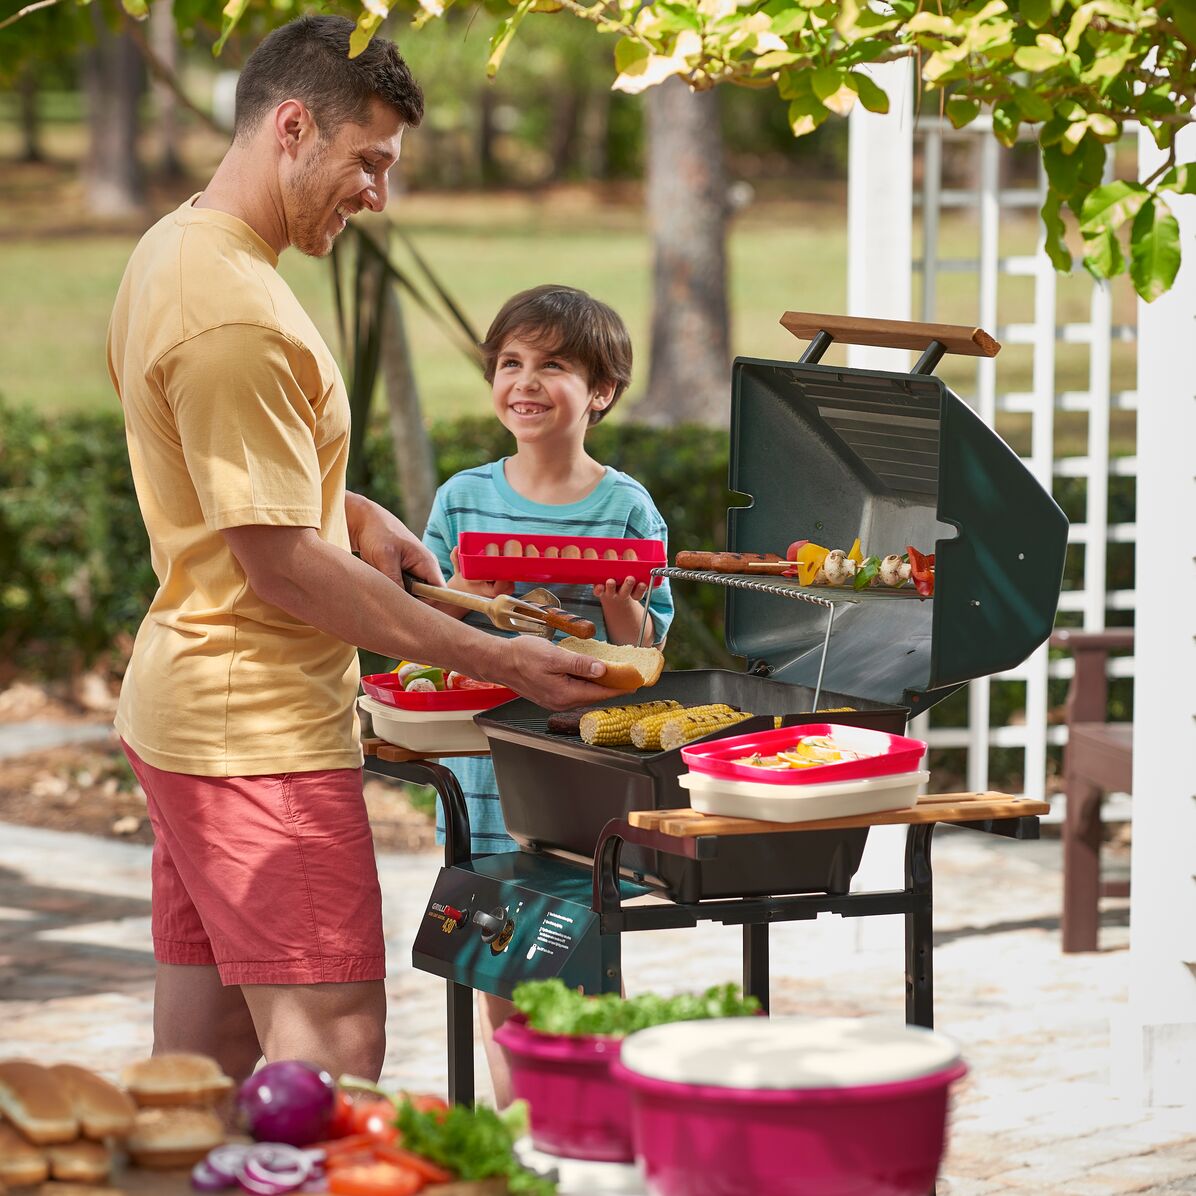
880 218
880 206
1156 1044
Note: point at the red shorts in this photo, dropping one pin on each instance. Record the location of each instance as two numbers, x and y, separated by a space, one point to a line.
270 878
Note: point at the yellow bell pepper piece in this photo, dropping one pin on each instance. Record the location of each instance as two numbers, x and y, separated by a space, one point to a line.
809 561
855 554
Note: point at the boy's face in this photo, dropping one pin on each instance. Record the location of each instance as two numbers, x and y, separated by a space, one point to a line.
540 397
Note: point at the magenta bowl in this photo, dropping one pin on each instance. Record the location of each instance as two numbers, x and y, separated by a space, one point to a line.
879 1140
577 1109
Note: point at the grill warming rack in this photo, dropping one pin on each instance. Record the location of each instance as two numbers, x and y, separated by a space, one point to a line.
783 587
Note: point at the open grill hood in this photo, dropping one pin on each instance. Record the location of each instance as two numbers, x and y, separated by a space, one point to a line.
826 453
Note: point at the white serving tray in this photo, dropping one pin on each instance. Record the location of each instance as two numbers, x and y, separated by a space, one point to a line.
801 803
423 730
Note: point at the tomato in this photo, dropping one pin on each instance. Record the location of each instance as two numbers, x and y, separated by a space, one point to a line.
376 1179
426 1102
461 682
375 1118
794 548
341 1124
421 1166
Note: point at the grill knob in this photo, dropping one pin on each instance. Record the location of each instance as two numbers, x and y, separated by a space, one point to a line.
492 924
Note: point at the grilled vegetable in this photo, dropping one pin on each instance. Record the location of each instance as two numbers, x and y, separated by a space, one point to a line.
645 734
809 562
922 571
839 567
854 554
893 570
678 731
613 724
867 573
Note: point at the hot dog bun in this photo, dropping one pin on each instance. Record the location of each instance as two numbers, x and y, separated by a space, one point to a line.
627 668
102 1108
36 1103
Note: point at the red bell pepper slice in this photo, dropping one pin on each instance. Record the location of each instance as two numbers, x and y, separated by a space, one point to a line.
921 571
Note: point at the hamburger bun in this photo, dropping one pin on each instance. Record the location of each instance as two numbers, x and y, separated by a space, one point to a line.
101 1107
627 668
80 1162
175 1079
173 1137
20 1161
36 1103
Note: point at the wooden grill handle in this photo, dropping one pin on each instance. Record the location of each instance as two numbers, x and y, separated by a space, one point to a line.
892 334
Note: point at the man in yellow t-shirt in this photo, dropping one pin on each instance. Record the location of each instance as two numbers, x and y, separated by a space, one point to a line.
237 711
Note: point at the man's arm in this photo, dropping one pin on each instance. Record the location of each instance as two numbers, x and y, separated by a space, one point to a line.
328 588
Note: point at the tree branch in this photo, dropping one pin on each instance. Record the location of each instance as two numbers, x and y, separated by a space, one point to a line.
165 75
24 12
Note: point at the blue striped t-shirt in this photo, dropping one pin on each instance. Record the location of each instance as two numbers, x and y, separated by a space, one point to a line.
482 500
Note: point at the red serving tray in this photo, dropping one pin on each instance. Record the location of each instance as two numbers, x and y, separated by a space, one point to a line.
386 687
475 565
896 754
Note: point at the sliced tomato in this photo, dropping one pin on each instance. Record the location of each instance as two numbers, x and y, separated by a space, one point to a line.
350 1144
426 1102
428 1170
376 1179
461 682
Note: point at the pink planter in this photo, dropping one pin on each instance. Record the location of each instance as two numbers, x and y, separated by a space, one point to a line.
578 1111
879 1140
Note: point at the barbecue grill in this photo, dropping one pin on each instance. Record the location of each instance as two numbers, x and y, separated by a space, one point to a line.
824 453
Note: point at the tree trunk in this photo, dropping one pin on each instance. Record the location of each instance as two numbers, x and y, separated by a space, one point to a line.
687 215
164 40
414 461
31 149
595 134
565 124
487 164
114 78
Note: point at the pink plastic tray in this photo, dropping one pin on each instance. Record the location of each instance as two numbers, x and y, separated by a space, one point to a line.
386 687
477 566
894 754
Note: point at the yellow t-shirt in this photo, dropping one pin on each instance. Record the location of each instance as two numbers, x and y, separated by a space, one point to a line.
235 414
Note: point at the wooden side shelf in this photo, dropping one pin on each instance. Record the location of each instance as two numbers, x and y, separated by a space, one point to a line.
397 755
892 334
937 807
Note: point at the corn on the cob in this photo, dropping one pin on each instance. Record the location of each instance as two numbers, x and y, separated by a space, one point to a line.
679 731
613 725
645 734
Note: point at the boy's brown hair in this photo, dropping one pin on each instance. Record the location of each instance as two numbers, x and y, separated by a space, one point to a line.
566 322
308 59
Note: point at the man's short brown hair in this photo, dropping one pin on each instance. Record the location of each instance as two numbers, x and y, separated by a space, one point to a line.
565 322
308 60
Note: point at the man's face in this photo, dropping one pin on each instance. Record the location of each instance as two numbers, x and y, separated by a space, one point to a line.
333 178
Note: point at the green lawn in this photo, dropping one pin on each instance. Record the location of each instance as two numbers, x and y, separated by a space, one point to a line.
55 293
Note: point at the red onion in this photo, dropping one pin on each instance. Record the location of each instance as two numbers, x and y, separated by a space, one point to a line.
226 1160
272 1168
205 1178
288 1101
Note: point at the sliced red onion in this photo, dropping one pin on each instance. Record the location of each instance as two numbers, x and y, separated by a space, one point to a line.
272 1168
205 1178
226 1160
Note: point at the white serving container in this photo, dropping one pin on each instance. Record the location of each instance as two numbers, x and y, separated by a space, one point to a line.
801 803
425 731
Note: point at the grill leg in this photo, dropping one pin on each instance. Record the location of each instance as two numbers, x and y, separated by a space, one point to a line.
919 929
755 961
460 1044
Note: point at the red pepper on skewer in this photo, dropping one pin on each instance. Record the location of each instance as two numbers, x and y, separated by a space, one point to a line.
921 571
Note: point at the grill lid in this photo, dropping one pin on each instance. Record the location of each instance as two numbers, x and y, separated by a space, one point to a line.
827 453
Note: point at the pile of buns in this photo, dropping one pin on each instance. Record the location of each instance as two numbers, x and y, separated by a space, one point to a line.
64 1122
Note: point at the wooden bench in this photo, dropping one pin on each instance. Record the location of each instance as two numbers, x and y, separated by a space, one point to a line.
1098 760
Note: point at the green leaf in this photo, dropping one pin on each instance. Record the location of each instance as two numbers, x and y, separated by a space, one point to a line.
871 96
1111 206
1052 222
504 34
805 115
233 12
1063 170
1154 250
1033 106
835 89
962 112
1035 12
1104 126
628 52
1006 119
1035 58
1104 258
1183 13
138 9
1181 179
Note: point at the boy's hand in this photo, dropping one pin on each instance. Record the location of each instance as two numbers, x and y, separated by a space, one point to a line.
487 589
622 609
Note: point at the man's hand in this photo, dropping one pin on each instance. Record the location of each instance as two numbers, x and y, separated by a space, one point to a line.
622 610
382 540
487 589
548 675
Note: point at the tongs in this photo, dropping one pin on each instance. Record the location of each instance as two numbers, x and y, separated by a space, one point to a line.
538 612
